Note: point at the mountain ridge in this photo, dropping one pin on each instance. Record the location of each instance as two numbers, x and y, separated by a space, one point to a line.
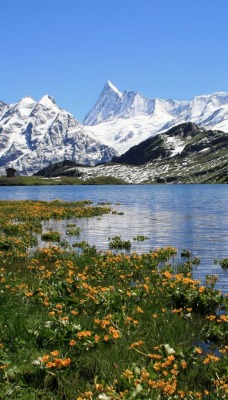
132 117
34 134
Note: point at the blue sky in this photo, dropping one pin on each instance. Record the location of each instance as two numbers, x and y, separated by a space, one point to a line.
69 48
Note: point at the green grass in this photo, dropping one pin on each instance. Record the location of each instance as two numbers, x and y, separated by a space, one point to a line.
62 180
92 325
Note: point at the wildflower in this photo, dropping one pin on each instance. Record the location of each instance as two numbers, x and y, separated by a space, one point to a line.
72 342
51 313
135 344
198 350
128 374
55 353
97 338
154 356
83 334
50 364
28 294
74 312
45 358
58 362
66 362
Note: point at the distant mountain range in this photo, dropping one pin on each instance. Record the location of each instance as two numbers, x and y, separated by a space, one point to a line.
35 134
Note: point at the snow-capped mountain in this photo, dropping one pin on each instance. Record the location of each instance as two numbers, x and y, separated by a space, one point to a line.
122 120
35 134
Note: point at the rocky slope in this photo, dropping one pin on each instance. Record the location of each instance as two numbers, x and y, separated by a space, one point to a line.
35 134
122 120
186 153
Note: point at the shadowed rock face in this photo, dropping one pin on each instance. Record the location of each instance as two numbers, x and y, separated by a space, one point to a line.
188 136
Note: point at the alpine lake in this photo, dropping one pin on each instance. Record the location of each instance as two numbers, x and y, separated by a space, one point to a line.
186 217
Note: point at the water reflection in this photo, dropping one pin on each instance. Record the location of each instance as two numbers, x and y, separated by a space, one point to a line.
193 217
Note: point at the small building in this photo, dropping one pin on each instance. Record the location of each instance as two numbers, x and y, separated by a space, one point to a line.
10 172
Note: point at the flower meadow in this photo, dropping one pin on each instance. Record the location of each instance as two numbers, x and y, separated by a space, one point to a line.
78 324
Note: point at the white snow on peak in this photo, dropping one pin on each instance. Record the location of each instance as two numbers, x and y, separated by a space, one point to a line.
124 121
114 88
27 100
48 101
25 106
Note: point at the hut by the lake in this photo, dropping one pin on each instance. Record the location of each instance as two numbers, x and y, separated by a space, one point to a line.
10 172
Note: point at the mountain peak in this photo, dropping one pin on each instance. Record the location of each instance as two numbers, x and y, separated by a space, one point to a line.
105 105
47 101
26 101
109 85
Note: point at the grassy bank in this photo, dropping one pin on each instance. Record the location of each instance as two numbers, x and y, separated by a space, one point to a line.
61 180
80 324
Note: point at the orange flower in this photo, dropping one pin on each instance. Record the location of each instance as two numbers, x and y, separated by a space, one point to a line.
28 294
74 312
50 364
51 313
58 362
45 358
135 344
115 334
72 342
198 350
55 353
97 338
66 362
83 334
154 356
128 374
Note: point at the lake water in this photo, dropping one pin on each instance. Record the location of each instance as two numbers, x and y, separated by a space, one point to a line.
192 217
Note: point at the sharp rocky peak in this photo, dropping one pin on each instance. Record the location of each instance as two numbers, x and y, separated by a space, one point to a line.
110 87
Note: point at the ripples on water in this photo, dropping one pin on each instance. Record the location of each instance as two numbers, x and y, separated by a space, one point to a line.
193 217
